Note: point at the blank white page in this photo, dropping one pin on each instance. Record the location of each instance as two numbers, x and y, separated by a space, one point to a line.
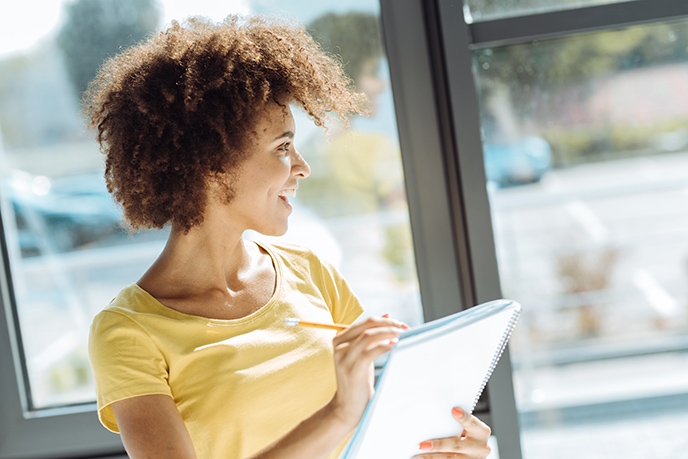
434 367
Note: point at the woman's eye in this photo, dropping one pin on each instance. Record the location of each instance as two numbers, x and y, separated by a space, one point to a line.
284 146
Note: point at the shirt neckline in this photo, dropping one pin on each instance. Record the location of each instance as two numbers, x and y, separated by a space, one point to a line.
240 321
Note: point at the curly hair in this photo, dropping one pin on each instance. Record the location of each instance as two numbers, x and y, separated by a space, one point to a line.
177 111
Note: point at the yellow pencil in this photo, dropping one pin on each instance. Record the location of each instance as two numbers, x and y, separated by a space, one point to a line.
303 323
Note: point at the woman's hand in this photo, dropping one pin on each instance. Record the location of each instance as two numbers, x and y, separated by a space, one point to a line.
470 444
355 350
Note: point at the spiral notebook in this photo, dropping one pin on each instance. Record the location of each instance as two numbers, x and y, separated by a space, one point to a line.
433 367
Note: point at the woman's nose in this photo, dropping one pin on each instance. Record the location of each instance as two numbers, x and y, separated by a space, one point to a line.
300 167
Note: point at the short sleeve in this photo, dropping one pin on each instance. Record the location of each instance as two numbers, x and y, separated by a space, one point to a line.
343 302
125 362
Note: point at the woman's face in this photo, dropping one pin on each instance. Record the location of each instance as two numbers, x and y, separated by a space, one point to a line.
269 175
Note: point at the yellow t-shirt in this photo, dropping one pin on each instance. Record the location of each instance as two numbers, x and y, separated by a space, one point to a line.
238 384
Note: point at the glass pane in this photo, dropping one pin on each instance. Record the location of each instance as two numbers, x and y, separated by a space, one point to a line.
355 191
586 152
484 10
68 252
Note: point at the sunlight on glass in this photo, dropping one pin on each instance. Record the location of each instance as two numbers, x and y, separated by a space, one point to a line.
484 10
586 152
68 250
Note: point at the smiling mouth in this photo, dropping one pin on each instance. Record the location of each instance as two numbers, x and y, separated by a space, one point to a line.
284 193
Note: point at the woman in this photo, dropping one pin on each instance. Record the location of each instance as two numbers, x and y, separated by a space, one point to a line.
193 361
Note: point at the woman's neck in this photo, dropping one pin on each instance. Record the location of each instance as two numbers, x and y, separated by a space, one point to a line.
210 257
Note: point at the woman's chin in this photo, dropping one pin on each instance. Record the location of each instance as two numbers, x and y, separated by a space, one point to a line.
273 232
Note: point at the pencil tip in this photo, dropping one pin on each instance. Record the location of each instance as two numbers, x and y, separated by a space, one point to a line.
291 322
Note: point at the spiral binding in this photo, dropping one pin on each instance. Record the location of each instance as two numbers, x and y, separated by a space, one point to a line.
500 350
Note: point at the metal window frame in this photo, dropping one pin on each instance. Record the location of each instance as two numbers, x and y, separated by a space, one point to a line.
429 50
556 24
448 203
71 432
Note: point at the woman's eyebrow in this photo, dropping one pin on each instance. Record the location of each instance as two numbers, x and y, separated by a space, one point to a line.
288 134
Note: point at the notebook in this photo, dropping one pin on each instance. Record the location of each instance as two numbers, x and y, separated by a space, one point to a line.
434 367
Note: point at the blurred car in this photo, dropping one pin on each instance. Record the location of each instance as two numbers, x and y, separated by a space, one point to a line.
59 215
517 163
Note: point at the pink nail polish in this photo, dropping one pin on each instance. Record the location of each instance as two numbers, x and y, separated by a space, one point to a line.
457 412
425 446
386 316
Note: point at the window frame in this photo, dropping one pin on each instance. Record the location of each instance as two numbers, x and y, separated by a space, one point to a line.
442 154
429 48
70 431
562 23
465 164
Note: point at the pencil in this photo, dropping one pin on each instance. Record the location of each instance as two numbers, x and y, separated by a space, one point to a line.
304 323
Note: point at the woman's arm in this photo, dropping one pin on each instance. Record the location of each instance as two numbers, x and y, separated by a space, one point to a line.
151 426
355 350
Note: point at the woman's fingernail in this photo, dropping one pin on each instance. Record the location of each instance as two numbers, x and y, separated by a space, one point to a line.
425 446
393 341
401 325
457 412
386 316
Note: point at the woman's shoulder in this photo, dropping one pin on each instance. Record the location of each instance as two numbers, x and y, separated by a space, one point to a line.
303 260
292 253
131 302
297 258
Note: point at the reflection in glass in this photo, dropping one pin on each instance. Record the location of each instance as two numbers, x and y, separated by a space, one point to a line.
357 180
356 187
586 152
485 10
68 250
64 238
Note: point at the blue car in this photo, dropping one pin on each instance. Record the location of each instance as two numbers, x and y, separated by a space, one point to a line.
510 164
60 215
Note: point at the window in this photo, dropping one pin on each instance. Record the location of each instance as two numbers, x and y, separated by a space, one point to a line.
483 10
353 207
581 141
585 149
66 254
